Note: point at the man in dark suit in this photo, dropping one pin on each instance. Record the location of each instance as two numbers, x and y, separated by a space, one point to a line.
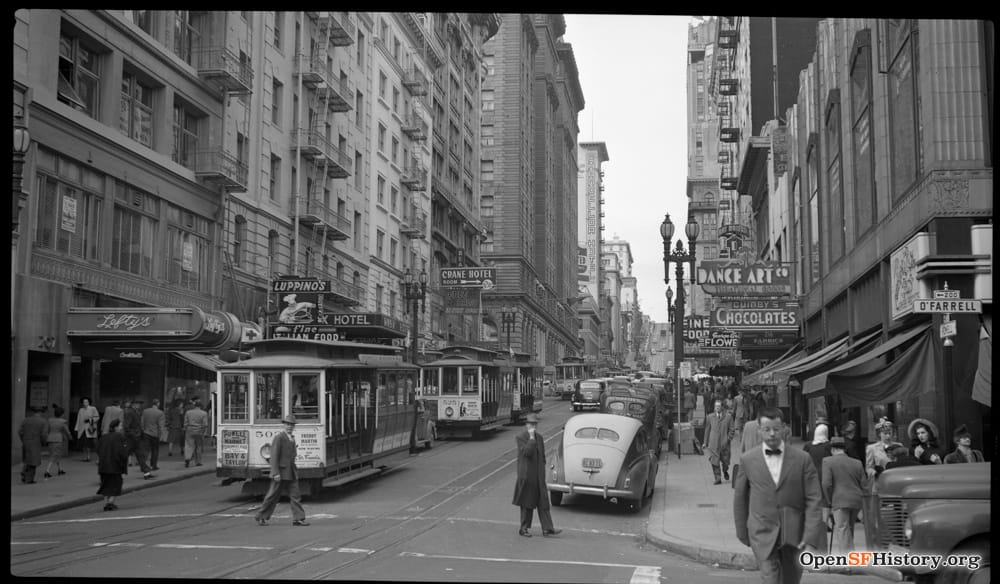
529 490
283 476
843 482
777 503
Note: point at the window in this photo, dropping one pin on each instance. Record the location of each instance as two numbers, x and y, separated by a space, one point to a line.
134 230
381 137
379 243
187 34
268 402
486 171
361 49
393 245
359 107
862 151
395 49
185 136
833 179
395 100
305 396
144 20
379 290
79 75
236 399
393 198
383 82
69 207
188 245
136 118
358 160
239 241
278 25
486 135
489 62
392 302
357 230
272 252
903 138
380 190
275 178
242 150
394 156
487 99
276 89
814 264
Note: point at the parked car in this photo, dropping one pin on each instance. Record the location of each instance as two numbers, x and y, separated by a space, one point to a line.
940 510
607 456
589 393
640 403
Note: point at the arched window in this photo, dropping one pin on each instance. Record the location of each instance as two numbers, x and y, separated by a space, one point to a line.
239 240
340 271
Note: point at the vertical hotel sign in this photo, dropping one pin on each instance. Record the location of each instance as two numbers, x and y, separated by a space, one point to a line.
905 287
593 253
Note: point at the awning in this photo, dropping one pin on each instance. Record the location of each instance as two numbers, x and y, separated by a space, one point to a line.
824 356
209 362
910 373
982 386
757 377
854 366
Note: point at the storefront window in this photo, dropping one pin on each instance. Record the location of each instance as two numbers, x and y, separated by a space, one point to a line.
235 397
268 403
305 396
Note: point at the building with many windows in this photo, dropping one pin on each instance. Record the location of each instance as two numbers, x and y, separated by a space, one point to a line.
590 221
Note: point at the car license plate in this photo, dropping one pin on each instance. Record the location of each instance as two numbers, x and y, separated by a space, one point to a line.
592 463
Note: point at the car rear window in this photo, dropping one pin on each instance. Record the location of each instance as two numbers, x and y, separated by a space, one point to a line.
597 433
616 406
636 408
589 385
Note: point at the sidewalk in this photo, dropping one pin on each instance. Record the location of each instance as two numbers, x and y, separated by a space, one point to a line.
691 516
80 483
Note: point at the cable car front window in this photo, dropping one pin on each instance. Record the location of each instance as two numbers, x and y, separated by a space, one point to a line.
268 402
305 396
235 397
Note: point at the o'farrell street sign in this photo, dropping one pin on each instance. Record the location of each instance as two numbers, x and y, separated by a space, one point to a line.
484 278
734 278
773 315
926 306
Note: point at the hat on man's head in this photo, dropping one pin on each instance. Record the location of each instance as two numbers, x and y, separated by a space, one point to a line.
289 419
531 419
961 432
837 441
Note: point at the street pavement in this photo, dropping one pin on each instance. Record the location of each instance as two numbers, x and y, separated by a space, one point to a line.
688 514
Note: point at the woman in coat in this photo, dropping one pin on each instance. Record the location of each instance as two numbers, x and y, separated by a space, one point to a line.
924 442
112 463
58 438
33 433
86 426
529 490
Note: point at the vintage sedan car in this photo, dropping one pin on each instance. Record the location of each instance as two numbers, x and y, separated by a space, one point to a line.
604 455
589 394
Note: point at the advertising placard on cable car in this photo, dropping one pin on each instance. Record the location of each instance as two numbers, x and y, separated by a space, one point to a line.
734 278
458 409
741 315
235 447
307 447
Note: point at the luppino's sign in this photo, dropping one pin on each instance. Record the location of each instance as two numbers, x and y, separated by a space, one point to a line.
733 278
771 315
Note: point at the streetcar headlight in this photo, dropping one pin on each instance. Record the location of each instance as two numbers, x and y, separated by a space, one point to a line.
265 451
907 529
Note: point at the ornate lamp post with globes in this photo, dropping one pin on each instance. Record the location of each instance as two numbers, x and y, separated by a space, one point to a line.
679 256
414 294
22 143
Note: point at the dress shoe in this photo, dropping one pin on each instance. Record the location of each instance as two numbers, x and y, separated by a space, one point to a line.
148 476
260 521
302 523
158 468
187 463
197 464
108 507
717 482
524 532
48 476
551 532
62 472
31 482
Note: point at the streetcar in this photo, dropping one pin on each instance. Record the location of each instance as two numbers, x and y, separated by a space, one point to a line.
470 389
528 381
353 403
569 372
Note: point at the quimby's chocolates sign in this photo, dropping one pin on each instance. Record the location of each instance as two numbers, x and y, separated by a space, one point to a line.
757 315
732 278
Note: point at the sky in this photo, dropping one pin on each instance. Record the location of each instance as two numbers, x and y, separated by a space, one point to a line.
633 76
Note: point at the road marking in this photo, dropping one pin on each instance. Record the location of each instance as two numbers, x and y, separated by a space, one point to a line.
527 561
355 551
645 575
110 518
116 544
35 543
493 521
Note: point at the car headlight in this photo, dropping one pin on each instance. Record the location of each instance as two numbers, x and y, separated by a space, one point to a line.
907 529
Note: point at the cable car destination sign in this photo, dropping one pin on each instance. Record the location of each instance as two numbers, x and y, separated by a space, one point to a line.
734 278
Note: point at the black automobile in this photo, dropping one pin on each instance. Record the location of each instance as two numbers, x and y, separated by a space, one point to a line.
589 394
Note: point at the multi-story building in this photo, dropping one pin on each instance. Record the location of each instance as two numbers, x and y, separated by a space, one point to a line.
884 164
624 295
591 232
531 98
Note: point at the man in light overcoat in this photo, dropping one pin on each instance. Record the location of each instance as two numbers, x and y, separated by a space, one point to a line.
718 433
776 504
530 490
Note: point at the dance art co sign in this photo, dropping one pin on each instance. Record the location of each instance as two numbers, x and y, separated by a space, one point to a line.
733 278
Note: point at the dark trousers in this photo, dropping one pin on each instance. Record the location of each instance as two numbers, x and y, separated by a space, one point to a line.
782 566
137 445
153 448
544 517
274 493
28 473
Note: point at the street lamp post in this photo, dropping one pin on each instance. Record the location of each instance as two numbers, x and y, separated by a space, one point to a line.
508 318
679 256
414 293
22 143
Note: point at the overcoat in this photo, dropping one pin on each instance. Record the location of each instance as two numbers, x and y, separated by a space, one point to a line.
33 433
956 456
283 453
717 430
112 454
786 513
529 490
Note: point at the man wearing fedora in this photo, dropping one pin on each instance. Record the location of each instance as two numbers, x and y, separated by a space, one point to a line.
283 476
963 448
843 482
529 490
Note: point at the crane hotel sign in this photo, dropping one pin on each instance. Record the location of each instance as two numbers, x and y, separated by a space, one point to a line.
757 315
734 278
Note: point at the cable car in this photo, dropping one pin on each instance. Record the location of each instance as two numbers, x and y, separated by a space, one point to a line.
471 389
569 373
353 403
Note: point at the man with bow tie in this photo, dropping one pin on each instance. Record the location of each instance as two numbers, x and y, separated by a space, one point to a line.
777 503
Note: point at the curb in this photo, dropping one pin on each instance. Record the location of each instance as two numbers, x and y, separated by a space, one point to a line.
51 508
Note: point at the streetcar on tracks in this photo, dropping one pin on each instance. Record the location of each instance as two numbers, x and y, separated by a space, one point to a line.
528 380
570 372
471 390
353 403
